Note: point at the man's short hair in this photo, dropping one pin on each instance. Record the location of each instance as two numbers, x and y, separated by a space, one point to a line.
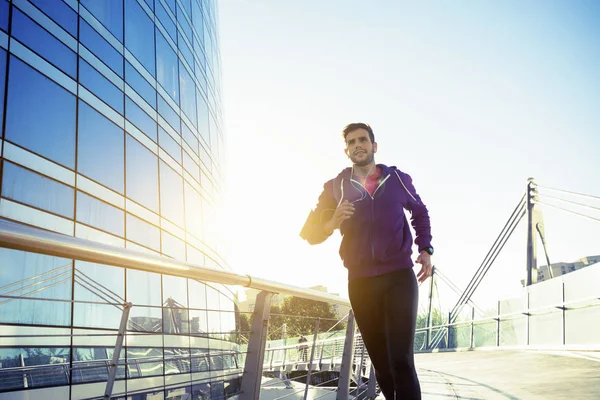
359 125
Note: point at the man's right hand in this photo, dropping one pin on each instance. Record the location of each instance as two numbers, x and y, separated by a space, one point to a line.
344 211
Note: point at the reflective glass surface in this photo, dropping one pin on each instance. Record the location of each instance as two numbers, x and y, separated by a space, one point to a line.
98 284
169 144
167 73
100 47
166 21
140 119
171 194
140 85
188 94
44 43
101 215
2 82
26 186
165 110
100 149
47 367
143 233
139 35
142 174
35 276
40 114
4 14
143 288
104 89
109 13
60 12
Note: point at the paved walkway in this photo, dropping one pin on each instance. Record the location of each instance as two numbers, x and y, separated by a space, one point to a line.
507 374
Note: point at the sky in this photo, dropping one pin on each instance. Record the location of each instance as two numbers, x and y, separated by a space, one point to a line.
470 98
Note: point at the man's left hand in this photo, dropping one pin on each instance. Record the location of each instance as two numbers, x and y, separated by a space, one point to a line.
425 260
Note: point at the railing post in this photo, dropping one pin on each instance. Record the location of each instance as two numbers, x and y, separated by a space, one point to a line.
255 357
428 331
312 358
372 387
498 326
531 197
564 314
114 364
282 374
346 367
472 344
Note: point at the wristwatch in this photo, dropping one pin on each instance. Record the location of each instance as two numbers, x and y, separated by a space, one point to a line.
429 250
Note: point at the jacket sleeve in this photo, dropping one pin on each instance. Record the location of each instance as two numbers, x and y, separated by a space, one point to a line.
313 231
419 214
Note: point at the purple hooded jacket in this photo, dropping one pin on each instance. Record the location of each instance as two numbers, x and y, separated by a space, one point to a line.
377 238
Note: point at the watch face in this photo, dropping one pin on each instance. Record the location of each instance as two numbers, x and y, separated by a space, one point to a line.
429 250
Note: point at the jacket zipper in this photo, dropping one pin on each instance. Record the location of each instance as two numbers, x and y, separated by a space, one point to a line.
372 210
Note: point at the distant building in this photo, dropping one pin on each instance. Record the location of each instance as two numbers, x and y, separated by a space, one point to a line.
562 268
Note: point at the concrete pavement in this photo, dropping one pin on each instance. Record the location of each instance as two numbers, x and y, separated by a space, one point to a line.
510 374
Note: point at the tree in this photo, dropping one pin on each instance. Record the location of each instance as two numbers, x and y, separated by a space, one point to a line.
300 314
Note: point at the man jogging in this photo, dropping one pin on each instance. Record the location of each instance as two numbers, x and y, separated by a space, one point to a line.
366 203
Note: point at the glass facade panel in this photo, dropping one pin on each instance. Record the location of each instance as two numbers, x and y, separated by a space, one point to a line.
96 83
96 213
188 93
139 35
2 84
58 132
60 12
165 110
91 364
169 144
167 73
144 361
143 233
100 149
35 276
40 115
140 119
166 21
140 85
109 13
44 367
27 187
26 31
98 284
142 174
143 288
100 47
171 195
4 15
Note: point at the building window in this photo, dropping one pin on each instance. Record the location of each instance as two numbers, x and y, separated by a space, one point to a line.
104 89
109 13
40 114
42 42
171 195
100 149
101 215
167 73
27 187
142 174
100 47
139 35
35 276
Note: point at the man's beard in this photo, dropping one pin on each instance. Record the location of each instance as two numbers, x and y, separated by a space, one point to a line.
366 161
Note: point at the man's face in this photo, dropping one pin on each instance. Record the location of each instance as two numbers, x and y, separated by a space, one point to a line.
359 148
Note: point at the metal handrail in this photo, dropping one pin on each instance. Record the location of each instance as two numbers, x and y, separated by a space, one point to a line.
22 237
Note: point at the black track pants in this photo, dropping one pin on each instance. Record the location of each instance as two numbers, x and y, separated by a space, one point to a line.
385 308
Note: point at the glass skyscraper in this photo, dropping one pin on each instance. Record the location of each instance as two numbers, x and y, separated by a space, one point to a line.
111 121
